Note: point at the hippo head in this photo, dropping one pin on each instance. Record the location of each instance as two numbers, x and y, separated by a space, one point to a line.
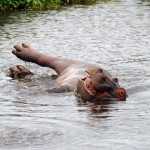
96 85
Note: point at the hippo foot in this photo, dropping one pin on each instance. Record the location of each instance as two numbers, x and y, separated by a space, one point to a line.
19 72
26 53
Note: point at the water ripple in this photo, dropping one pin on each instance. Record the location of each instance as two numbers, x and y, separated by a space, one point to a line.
114 35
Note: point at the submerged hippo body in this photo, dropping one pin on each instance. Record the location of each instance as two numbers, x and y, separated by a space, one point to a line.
90 81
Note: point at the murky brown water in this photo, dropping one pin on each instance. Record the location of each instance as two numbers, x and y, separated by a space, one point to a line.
115 35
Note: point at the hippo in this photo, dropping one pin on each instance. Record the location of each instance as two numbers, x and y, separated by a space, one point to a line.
88 80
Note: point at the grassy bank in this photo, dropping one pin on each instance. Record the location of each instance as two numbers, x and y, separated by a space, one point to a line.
27 4
6 5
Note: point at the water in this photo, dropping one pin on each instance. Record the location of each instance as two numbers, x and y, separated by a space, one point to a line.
114 35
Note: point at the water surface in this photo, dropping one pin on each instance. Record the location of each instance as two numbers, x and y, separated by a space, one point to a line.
114 35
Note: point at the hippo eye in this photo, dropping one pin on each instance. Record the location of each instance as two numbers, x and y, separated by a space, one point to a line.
100 70
102 80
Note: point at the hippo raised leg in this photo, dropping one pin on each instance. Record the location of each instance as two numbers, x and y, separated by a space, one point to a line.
90 81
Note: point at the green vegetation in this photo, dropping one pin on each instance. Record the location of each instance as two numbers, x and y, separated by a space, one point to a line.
40 4
145 2
27 4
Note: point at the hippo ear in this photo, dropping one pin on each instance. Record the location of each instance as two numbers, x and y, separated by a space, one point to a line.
82 90
115 79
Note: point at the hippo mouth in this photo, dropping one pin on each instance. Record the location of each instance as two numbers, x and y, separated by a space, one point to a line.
96 85
87 91
88 85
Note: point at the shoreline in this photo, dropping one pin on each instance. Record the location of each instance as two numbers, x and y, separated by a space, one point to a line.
13 5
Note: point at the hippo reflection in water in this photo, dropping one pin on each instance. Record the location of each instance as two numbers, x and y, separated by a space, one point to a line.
88 80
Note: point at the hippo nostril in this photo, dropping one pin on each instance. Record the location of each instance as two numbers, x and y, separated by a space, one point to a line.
121 93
